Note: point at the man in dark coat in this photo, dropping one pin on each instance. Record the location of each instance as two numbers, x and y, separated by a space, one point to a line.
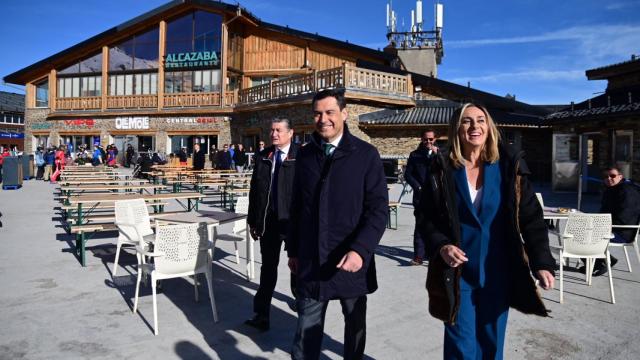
416 174
338 216
223 161
268 218
213 156
129 156
621 199
198 157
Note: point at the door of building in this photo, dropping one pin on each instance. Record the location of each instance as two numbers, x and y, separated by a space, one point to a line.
565 164
623 151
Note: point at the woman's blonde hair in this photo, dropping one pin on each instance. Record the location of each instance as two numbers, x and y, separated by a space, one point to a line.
489 151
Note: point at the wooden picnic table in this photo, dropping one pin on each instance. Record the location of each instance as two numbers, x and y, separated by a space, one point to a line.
91 201
103 182
67 190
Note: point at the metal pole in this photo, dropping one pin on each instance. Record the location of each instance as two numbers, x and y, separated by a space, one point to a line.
580 172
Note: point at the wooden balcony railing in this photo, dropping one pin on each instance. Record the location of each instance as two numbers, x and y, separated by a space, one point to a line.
348 77
230 98
84 103
192 99
132 101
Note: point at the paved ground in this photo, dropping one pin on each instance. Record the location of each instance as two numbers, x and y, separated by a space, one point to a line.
51 308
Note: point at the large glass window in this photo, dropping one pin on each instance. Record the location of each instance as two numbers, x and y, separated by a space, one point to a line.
192 81
136 53
91 65
133 84
199 31
42 94
79 86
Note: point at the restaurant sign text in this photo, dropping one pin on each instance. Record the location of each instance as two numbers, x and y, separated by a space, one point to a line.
195 120
80 123
192 59
132 123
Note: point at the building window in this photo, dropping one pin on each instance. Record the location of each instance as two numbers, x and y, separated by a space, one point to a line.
79 86
133 84
42 94
139 52
192 81
91 65
255 81
199 31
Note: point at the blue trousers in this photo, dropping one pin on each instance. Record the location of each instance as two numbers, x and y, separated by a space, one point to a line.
480 328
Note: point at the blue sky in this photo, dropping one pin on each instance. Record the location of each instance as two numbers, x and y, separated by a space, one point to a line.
535 49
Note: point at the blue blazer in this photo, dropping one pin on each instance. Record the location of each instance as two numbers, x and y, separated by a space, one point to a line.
482 232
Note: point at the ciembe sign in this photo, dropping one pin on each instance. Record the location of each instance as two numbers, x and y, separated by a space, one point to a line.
132 123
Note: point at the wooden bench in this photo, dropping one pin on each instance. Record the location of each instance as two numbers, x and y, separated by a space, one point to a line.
108 218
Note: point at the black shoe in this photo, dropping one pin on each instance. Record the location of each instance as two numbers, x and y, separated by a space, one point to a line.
259 322
600 270
614 261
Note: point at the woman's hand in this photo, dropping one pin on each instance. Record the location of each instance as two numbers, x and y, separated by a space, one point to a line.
546 279
452 255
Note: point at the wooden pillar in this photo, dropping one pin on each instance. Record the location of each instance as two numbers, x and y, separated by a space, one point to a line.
53 89
162 52
105 77
223 63
30 99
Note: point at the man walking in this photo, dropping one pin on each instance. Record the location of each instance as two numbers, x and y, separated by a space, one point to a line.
338 216
416 174
268 218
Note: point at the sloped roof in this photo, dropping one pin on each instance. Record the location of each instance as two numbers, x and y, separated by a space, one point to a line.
11 102
621 68
611 104
17 77
438 112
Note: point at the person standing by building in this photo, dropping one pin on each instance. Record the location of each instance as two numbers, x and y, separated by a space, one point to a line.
338 216
182 156
485 234
4 152
416 174
40 163
232 153
240 158
213 155
50 161
198 157
224 158
268 218
129 154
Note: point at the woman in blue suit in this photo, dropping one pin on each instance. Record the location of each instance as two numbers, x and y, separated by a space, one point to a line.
474 215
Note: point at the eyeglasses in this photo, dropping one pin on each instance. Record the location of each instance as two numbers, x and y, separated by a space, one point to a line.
612 176
428 139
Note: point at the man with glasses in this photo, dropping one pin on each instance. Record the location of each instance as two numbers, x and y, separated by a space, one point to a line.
621 199
416 174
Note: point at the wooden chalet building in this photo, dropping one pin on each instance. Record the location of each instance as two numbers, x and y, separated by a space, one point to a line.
12 120
603 130
202 71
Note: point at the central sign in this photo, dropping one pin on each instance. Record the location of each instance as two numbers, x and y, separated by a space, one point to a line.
195 120
132 123
192 59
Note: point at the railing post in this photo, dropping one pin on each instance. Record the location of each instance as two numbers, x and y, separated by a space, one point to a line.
344 75
270 89
315 80
409 85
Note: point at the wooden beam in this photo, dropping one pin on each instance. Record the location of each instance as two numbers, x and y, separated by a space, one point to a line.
105 77
223 63
162 50
53 89
30 99
202 111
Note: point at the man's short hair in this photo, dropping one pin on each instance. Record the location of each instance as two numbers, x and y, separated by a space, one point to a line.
613 167
283 120
428 130
337 94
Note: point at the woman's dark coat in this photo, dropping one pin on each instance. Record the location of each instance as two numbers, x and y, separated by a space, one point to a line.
439 223
340 204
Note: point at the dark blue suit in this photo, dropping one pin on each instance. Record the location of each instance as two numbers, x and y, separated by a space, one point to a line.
482 317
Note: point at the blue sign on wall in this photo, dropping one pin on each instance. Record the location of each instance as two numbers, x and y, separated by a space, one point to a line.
9 135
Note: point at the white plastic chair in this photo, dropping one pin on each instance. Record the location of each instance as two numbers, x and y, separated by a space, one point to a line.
633 244
180 251
587 236
134 225
539 197
239 231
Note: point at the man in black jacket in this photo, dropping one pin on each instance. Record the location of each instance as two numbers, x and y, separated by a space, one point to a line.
198 157
223 158
268 218
622 200
416 174
338 216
